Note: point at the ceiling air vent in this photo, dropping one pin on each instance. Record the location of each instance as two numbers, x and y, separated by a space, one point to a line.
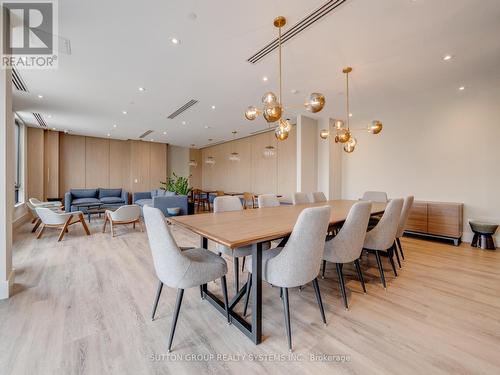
17 81
185 107
296 29
145 134
40 120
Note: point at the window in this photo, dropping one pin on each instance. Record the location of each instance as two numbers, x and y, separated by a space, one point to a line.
17 170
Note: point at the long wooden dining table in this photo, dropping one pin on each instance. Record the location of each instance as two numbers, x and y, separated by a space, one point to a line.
254 227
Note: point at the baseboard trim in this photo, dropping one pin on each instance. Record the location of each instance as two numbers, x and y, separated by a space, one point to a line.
6 285
20 221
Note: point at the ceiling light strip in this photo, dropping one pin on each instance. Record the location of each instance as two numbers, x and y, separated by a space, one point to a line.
185 107
296 29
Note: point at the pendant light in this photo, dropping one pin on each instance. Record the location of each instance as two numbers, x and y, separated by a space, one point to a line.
234 156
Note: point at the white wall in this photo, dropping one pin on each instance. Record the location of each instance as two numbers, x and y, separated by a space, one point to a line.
307 154
442 150
177 161
329 162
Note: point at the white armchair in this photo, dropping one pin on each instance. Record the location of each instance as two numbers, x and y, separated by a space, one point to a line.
130 214
62 220
32 203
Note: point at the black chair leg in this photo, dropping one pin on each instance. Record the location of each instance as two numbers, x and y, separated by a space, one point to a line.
342 284
178 302
286 308
318 298
380 269
400 248
226 301
324 269
396 252
247 293
243 264
201 291
158 292
360 274
236 263
391 259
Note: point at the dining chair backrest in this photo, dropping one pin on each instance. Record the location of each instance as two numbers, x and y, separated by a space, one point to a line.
299 261
405 213
347 245
227 203
51 217
300 198
127 212
375 196
382 236
170 265
268 200
318 196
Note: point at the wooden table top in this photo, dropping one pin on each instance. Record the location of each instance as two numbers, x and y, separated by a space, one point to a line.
240 228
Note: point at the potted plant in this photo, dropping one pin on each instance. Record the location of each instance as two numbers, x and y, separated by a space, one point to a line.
180 186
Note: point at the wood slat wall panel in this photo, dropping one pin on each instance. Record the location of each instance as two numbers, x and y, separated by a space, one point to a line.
119 164
195 172
72 160
96 162
139 166
157 165
51 164
35 182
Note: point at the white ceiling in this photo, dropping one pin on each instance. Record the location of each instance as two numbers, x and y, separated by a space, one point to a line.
395 47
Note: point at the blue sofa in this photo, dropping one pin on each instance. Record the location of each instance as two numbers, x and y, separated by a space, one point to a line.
162 200
108 197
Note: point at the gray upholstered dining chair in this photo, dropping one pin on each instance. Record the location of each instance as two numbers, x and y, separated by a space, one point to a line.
298 262
300 198
403 220
180 269
375 196
347 245
381 239
318 196
268 200
230 203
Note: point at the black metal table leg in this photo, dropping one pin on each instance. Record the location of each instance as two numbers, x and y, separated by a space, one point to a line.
257 293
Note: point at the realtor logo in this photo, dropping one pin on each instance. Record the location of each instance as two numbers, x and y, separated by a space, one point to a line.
29 29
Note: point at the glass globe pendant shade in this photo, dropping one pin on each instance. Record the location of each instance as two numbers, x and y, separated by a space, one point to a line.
349 148
269 151
324 133
315 103
234 156
251 113
281 133
210 160
269 98
272 112
339 124
285 124
375 127
343 135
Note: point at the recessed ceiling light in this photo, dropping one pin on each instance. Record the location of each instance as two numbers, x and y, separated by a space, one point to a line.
183 122
114 125
213 107
207 127
164 133
294 91
461 88
124 112
49 116
447 57
142 89
350 114
109 135
53 128
152 140
40 96
175 40
265 79
66 131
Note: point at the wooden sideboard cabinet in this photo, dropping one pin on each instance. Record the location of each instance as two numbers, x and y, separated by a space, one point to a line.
436 219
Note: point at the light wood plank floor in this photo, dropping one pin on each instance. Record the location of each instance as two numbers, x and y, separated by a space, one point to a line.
82 306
